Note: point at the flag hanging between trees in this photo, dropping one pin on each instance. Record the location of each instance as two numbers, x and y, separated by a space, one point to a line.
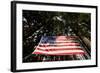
59 45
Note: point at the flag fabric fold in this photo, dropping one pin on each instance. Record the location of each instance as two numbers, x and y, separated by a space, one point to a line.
59 45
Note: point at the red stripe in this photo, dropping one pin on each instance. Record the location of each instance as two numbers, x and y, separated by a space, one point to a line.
68 36
65 39
71 53
63 42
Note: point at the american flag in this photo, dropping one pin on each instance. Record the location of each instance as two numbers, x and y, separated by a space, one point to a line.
58 45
